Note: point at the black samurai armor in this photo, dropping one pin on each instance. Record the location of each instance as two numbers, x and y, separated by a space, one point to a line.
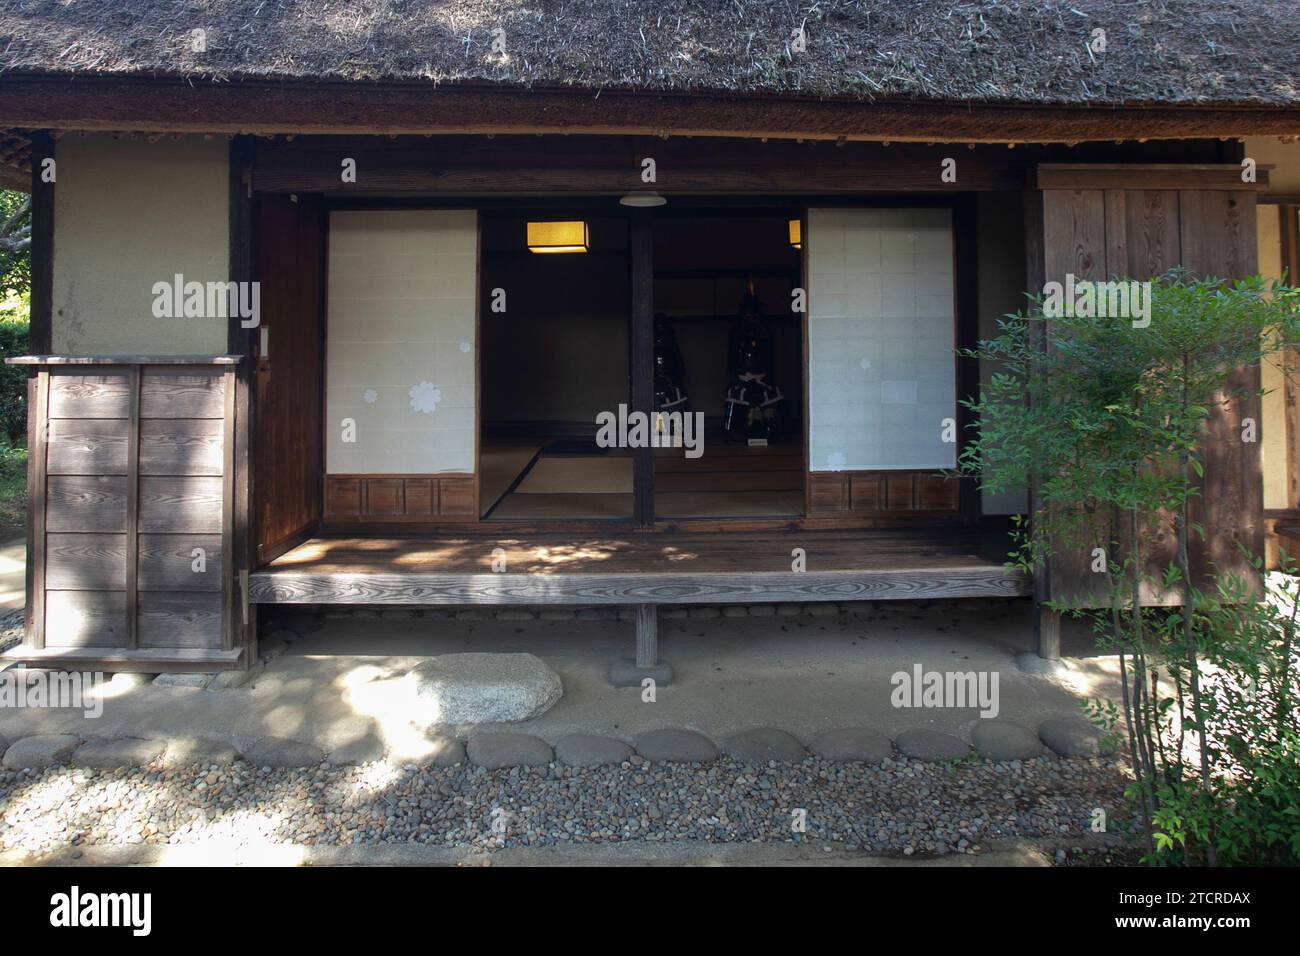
750 410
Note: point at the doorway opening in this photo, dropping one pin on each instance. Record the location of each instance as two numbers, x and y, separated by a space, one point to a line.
556 316
729 349
554 325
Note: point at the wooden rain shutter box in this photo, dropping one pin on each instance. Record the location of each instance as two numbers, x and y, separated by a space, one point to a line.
1101 222
132 480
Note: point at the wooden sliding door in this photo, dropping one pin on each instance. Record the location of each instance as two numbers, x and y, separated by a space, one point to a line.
290 256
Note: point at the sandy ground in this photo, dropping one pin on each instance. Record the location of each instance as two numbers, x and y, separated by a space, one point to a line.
341 682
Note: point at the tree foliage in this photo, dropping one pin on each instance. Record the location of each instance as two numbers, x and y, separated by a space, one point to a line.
1105 419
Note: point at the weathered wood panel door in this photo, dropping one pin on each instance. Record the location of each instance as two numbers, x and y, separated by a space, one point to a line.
289 236
1137 222
131 483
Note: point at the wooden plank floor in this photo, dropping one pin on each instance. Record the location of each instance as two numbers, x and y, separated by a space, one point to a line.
632 569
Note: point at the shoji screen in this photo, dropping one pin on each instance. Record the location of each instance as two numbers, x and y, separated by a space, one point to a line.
400 360
882 373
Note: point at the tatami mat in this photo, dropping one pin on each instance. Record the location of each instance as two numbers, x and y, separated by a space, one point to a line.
527 507
499 467
598 475
739 485
728 504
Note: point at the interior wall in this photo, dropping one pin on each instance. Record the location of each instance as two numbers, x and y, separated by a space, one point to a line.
400 353
129 213
1000 245
559 351
881 339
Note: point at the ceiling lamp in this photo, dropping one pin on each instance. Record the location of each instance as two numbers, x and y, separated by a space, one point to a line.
796 233
546 237
642 200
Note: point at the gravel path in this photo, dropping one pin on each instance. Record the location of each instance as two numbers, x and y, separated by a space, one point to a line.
901 806
11 629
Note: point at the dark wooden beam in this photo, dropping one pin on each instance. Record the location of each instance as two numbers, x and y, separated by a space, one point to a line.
641 248
590 165
1148 176
40 333
966 303
237 536
175 105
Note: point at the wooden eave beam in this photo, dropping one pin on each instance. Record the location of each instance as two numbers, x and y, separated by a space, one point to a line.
263 107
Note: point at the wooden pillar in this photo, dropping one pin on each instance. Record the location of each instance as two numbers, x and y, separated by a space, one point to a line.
1047 632
643 359
1047 623
241 407
40 335
635 671
647 635
966 270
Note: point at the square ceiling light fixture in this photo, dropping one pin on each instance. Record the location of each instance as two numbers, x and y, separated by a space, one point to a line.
544 237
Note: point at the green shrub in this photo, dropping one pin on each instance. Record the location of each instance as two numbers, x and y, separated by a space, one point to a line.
13 381
13 463
1112 440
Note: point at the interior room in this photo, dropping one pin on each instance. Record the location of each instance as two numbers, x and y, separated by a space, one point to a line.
723 303
554 326
555 308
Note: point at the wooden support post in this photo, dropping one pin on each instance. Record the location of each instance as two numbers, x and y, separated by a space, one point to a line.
633 672
647 635
238 539
643 359
1047 632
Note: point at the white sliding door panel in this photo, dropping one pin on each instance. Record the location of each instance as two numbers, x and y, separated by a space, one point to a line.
400 357
882 372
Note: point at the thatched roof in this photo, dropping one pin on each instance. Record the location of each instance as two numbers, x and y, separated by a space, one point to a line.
1007 51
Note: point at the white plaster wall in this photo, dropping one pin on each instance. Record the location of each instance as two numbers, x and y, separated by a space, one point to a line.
1284 177
401 314
127 214
880 338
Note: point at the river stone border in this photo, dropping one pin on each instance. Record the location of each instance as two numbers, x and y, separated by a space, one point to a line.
922 743
110 753
763 744
589 750
494 751
677 746
1071 736
997 740
283 752
852 745
1005 740
40 751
